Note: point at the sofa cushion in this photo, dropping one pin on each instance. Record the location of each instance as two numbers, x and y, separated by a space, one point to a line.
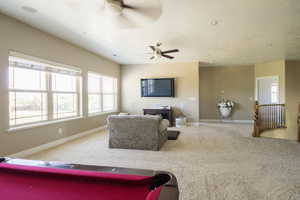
153 116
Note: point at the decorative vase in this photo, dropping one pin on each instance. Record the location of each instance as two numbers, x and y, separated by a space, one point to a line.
225 111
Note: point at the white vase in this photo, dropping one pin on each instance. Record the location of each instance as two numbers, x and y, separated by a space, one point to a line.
225 112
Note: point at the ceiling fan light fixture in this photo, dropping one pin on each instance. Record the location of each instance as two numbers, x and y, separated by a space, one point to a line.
158 53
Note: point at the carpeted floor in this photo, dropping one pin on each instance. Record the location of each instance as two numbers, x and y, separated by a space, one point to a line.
211 161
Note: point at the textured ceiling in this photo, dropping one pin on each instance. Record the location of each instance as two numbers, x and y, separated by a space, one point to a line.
229 32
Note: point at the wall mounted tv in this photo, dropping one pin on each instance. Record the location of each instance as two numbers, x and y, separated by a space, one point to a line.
158 87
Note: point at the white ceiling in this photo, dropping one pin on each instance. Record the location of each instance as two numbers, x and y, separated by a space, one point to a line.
247 31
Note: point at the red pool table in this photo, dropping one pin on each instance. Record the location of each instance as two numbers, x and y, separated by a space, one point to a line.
38 180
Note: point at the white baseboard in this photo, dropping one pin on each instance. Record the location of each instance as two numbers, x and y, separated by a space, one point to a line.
222 121
193 123
55 143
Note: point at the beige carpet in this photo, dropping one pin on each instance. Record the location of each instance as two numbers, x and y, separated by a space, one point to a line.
211 161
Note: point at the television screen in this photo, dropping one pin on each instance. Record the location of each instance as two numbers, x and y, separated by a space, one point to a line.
158 87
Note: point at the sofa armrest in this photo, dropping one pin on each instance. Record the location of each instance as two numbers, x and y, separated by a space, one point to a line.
163 125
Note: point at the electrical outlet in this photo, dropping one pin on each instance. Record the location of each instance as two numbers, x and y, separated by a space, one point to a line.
60 131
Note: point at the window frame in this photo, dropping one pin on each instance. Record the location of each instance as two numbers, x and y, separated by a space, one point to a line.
77 91
101 94
38 91
275 94
50 95
277 79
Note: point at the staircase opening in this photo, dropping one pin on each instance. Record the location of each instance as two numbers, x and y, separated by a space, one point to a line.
267 117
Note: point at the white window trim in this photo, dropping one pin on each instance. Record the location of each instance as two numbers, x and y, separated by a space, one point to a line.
115 82
265 77
101 113
43 61
50 92
41 123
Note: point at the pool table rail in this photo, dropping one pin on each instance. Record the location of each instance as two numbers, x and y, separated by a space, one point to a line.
165 179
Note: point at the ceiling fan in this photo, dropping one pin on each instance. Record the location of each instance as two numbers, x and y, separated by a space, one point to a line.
158 53
131 13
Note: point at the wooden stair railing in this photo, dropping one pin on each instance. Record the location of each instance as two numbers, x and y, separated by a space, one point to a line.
298 122
268 116
256 119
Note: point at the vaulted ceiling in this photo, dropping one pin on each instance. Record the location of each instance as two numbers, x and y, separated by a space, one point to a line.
230 32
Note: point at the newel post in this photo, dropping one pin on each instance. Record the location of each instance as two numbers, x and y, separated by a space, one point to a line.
256 120
298 122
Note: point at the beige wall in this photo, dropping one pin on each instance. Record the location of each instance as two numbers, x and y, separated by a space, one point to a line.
23 38
234 83
275 68
186 84
292 97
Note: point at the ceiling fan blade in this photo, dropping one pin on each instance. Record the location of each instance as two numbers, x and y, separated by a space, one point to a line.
126 5
171 51
170 57
144 4
134 13
143 12
152 47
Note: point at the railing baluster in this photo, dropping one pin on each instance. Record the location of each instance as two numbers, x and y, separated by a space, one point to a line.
281 124
265 117
277 112
282 118
275 116
274 121
278 117
277 121
271 108
269 116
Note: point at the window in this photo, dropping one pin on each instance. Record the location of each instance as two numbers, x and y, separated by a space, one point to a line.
28 96
274 93
102 93
42 92
65 96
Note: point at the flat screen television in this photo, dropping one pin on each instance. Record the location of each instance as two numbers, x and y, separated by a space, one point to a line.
158 87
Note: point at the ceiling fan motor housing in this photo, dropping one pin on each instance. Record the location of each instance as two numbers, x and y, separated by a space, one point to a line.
114 7
158 52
